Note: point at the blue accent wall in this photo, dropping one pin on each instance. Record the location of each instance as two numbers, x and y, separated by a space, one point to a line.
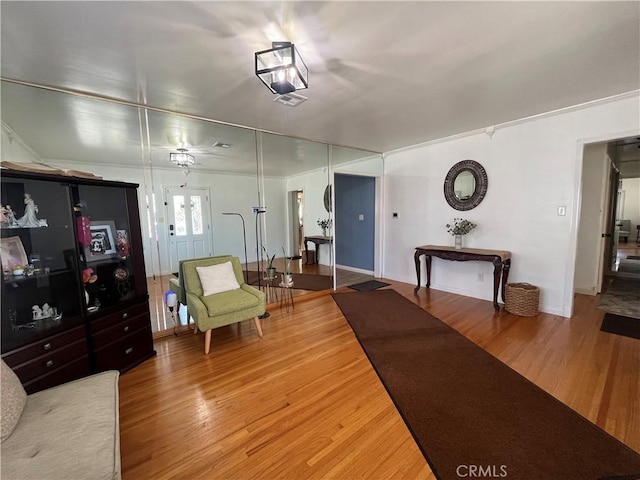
355 239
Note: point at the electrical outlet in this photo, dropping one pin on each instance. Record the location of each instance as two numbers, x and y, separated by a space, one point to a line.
481 277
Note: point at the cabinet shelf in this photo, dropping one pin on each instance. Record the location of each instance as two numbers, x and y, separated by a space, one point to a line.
8 279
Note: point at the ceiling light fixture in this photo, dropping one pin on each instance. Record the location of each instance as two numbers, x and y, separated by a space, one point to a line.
281 68
182 159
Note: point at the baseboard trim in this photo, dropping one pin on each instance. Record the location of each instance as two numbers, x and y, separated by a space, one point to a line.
586 291
356 270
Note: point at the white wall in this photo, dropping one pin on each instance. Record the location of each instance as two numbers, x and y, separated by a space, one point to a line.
631 209
276 217
594 167
534 166
371 166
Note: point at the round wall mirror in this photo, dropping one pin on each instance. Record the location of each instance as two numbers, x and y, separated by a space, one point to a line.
465 185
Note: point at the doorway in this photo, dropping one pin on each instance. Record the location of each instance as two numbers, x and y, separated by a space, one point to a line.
607 262
296 233
355 228
189 224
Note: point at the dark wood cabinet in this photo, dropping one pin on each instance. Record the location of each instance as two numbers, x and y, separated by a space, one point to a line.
123 339
74 293
52 360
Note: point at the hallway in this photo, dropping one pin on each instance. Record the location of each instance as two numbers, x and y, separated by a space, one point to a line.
621 290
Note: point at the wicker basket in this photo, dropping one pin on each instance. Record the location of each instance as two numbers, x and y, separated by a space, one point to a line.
522 299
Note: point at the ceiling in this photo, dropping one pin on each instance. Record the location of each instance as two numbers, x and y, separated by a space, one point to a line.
382 75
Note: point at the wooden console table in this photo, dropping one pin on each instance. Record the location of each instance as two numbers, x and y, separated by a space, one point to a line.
317 240
501 263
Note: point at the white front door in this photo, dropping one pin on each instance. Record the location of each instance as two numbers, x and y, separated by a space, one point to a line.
189 224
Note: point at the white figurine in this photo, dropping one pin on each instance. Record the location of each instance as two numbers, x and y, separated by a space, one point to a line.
29 218
36 312
47 311
8 217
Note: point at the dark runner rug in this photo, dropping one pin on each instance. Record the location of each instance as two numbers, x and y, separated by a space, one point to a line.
627 326
466 408
301 281
369 285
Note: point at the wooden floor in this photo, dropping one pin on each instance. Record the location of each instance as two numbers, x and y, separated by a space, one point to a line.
304 402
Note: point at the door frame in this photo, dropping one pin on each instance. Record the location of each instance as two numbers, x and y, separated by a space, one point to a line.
576 204
378 228
165 220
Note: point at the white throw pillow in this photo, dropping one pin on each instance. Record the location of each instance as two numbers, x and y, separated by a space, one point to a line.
217 278
13 400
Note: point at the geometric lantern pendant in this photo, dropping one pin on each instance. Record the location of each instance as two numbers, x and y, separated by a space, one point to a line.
281 68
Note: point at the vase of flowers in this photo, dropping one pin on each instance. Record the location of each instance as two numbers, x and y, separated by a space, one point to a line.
324 225
459 228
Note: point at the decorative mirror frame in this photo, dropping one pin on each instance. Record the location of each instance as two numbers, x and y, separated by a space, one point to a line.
327 198
482 182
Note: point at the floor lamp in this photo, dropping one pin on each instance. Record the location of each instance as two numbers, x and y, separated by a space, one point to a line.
244 237
258 211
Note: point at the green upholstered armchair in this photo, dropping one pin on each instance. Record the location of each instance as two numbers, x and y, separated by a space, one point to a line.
218 309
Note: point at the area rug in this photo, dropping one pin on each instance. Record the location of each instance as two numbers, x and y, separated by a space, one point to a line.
629 327
621 297
466 409
301 281
368 285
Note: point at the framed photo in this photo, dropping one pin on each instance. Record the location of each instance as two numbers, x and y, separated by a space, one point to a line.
12 253
102 245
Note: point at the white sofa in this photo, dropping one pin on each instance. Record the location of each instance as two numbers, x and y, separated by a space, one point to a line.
70 431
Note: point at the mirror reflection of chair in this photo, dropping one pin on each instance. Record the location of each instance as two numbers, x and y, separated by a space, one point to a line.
217 295
638 234
176 285
624 230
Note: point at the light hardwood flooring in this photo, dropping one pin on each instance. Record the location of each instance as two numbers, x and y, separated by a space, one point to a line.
304 402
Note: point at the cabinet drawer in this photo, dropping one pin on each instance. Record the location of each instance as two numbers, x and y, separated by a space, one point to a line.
41 347
126 351
122 315
51 361
122 329
71 371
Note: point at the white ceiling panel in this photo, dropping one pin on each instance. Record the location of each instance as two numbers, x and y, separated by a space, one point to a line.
382 75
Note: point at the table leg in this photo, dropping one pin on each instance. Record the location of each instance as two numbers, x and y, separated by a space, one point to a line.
306 249
416 259
506 265
428 258
286 298
497 274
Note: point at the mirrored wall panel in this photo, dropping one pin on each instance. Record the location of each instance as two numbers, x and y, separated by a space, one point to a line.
205 188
